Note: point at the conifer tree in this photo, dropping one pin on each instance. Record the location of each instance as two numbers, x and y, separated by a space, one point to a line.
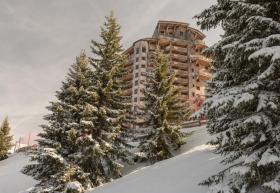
243 105
164 111
112 106
5 139
60 159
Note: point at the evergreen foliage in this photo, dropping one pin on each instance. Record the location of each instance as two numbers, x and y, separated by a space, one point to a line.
58 160
113 115
5 139
243 105
86 138
164 111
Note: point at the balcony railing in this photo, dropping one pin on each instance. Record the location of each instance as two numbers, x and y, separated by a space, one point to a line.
181 81
200 43
176 48
128 92
179 65
128 77
179 57
184 91
201 58
204 73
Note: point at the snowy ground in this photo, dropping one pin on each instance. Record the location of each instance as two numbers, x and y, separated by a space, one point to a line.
11 179
180 174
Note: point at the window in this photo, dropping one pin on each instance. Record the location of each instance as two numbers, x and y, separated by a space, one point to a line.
136 75
135 99
137 59
206 68
192 70
143 49
193 77
197 80
143 58
143 66
193 85
137 50
161 32
142 98
135 91
181 33
193 94
197 88
136 82
136 67
197 64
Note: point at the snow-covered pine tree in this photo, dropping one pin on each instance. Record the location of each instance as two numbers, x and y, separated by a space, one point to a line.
66 139
112 106
164 111
5 139
243 105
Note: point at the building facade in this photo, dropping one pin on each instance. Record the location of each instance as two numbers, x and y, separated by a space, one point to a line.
183 46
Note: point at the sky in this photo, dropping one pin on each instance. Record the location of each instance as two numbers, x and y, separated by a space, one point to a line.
40 39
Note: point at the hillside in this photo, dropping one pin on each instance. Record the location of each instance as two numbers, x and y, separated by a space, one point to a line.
180 174
11 179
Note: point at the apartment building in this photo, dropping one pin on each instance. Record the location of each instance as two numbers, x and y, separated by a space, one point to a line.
183 46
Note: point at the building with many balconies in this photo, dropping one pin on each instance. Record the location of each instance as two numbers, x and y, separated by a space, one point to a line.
183 46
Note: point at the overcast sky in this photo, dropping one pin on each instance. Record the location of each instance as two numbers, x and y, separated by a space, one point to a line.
39 40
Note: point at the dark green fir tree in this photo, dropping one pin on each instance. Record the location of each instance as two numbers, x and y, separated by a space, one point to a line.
59 161
164 112
112 106
5 139
243 105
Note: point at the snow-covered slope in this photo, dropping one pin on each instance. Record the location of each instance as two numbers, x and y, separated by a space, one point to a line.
177 175
180 174
11 179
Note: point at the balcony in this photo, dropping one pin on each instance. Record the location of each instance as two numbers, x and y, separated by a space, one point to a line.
204 74
128 92
200 58
128 85
152 47
200 44
181 81
128 77
184 91
179 57
179 73
129 62
177 49
182 74
179 65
